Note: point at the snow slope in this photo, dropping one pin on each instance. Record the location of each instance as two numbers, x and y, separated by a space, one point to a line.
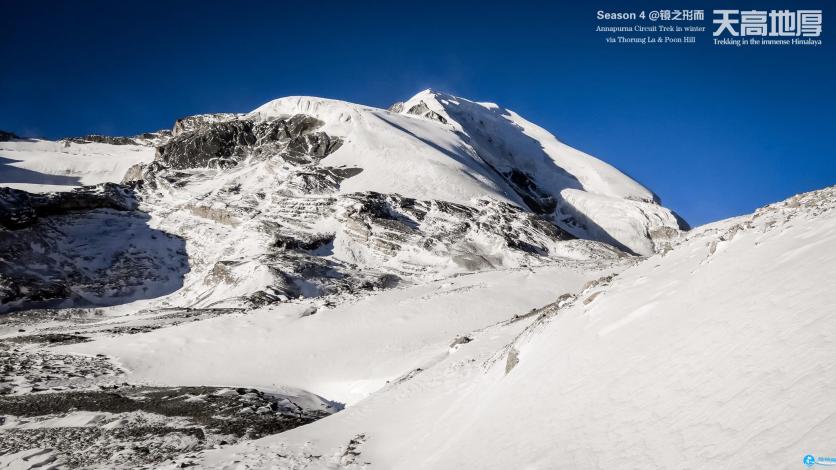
399 154
593 199
345 351
43 166
526 146
717 354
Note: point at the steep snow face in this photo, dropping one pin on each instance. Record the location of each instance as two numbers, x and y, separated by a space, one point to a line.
506 141
717 354
640 227
587 196
41 165
398 154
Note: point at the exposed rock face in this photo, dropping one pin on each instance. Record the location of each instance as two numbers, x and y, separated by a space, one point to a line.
387 226
535 198
216 145
86 246
148 139
20 209
421 109
225 143
133 174
191 123
173 420
162 133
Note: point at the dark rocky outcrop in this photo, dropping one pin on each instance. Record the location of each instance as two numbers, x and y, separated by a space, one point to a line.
217 145
225 143
145 139
16 288
162 133
203 416
6 136
421 109
101 139
318 180
19 209
388 224
308 242
535 198
191 123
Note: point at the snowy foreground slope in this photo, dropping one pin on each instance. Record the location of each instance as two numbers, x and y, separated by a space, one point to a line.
717 354
347 351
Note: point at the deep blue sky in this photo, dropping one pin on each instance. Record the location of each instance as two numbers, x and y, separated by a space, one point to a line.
715 131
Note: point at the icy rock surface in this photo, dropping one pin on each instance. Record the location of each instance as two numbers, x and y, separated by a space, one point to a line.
221 143
19 209
86 246
129 426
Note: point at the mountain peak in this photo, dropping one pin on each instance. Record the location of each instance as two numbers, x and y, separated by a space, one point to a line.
434 146
549 176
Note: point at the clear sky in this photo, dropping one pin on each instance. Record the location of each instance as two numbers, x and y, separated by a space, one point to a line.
715 131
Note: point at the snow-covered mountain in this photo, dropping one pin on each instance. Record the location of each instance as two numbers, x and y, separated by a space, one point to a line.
314 197
443 284
461 150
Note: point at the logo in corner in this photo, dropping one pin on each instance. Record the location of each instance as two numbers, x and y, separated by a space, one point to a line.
810 460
